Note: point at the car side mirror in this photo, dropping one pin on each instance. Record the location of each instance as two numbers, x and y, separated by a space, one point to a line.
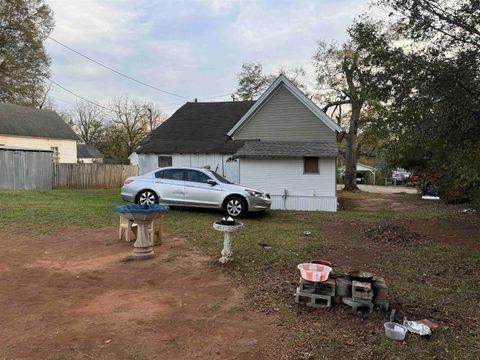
211 182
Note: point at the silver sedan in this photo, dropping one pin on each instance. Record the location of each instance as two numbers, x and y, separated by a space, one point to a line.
195 187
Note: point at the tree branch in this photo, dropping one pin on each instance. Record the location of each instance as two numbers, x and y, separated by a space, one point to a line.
336 103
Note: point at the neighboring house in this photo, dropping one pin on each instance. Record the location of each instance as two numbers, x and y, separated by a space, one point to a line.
88 154
27 127
282 143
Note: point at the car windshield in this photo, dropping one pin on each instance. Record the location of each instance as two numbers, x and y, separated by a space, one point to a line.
220 177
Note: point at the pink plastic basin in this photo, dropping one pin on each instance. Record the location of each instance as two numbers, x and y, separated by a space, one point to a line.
314 272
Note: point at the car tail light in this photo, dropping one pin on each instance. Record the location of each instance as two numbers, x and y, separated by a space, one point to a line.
127 181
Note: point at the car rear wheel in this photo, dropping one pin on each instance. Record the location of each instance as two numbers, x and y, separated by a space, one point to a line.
147 197
235 206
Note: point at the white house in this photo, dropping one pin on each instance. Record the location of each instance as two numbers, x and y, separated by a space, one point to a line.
88 154
282 143
26 127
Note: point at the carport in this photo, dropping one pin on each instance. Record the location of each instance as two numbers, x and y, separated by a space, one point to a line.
364 169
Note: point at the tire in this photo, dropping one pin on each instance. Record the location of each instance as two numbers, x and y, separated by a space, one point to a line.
235 206
147 197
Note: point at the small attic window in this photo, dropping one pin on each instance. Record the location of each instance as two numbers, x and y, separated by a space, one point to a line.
310 165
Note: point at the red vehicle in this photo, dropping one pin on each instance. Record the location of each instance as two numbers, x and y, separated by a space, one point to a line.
413 180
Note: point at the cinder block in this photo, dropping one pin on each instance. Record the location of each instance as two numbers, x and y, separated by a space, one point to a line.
359 308
306 286
325 288
361 291
313 300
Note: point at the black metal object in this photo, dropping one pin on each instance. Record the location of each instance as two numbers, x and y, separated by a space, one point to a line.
361 276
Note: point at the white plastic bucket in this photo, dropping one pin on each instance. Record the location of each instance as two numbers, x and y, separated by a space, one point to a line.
314 272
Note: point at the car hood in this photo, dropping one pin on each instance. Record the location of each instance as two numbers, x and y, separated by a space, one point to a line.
240 188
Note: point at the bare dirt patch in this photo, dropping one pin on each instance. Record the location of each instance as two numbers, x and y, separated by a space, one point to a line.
347 246
69 293
392 233
456 232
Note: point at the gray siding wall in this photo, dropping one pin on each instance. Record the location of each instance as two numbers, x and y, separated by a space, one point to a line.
25 170
284 118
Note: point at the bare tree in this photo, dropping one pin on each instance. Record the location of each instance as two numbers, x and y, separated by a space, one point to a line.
88 121
132 119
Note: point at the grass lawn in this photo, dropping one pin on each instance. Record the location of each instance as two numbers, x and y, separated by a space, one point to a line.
437 278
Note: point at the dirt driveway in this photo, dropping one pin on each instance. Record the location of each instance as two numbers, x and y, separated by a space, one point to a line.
377 189
69 295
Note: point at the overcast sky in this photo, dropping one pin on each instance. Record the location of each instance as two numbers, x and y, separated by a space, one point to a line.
193 48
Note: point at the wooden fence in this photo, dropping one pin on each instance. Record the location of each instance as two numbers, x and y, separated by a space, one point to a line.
86 176
25 169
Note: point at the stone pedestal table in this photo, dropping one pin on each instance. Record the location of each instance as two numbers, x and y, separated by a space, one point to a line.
227 231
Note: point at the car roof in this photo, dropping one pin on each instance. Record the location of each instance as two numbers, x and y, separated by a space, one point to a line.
203 169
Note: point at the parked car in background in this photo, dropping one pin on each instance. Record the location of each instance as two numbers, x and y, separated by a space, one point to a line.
360 178
400 176
194 187
412 180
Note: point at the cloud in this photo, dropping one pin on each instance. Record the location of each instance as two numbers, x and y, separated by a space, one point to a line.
193 47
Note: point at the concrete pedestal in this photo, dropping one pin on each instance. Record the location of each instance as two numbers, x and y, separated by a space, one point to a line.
227 230
143 247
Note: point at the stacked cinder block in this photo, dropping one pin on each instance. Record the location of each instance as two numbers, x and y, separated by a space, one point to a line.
361 296
316 295
361 300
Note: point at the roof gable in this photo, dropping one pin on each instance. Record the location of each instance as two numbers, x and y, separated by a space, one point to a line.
265 97
25 121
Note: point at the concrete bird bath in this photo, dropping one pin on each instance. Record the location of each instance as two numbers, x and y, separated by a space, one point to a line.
227 228
142 215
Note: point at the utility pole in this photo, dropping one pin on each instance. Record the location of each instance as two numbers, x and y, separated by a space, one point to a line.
150 118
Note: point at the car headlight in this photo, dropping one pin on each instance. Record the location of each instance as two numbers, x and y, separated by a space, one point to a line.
254 193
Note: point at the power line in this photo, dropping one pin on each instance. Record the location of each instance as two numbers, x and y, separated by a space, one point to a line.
81 97
116 71
90 101
217 96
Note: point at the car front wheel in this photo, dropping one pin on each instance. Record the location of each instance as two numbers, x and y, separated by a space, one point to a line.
235 206
147 197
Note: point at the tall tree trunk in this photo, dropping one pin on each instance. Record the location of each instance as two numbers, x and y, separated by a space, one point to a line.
351 153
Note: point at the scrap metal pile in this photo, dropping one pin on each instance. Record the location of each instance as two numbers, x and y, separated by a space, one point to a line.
361 291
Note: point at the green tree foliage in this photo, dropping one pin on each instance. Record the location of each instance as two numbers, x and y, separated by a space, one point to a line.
432 119
252 81
350 75
24 63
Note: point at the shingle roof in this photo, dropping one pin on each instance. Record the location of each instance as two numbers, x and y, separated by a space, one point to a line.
19 148
26 121
282 149
198 127
88 151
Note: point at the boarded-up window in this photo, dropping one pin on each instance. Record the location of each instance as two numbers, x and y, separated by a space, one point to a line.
310 165
164 161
